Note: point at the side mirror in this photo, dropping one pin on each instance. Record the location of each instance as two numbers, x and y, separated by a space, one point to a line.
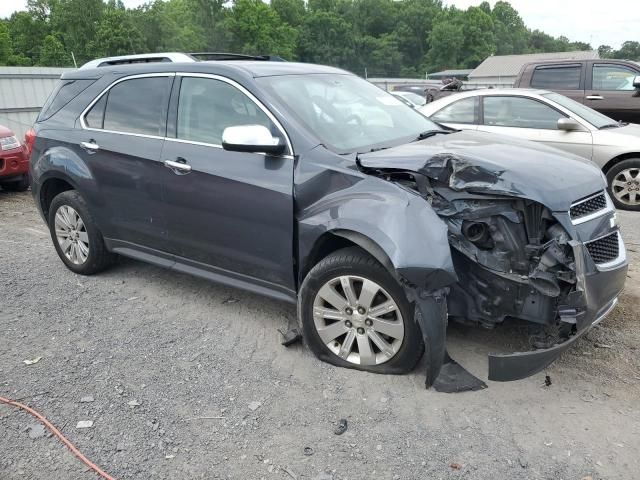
251 138
568 125
636 81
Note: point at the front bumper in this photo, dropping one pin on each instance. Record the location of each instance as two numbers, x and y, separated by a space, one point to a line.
595 296
13 163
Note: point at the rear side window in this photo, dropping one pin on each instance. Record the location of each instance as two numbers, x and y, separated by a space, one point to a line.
557 78
462 111
137 106
65 91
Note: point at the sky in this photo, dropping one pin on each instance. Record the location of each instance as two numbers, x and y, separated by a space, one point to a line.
598 22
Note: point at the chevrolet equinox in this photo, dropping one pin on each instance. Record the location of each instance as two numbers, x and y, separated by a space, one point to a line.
308 184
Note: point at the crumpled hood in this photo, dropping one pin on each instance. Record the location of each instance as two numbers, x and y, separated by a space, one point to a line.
482 162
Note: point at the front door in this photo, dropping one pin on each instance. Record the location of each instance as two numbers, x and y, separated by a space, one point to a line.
612 92
531 119
228 212
121 142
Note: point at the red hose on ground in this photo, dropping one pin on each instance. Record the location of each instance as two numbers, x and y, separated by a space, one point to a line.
62 438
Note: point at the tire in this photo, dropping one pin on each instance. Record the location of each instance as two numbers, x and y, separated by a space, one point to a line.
623 181
399 356
96 257
21 185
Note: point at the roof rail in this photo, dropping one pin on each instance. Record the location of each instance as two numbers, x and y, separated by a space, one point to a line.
221 56
176 57
140 58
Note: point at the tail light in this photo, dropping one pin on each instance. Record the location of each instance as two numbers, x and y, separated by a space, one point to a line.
29 141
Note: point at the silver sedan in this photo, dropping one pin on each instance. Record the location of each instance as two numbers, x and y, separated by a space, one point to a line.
557 121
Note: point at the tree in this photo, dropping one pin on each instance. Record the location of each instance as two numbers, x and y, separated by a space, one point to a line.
291 12
630 50
5 44
74 23
605 51
53 53
479 40
327 38
510 32
446 41
257 29
116 33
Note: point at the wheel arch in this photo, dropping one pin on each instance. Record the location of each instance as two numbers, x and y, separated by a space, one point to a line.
618 159
334 240
50 187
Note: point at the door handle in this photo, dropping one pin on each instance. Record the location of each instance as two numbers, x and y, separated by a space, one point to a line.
90 147
178 168
594 97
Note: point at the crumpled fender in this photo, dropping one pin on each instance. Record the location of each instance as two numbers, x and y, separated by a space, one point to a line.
402 231
399 223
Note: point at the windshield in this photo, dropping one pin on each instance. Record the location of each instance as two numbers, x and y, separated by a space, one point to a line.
596 119
347 113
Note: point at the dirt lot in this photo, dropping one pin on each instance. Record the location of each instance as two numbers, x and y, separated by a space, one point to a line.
159 351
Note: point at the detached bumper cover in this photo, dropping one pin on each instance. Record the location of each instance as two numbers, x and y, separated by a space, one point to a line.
595 296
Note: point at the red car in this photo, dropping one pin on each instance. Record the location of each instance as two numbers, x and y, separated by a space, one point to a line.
14 162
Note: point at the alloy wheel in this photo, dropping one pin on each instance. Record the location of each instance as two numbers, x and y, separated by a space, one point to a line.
358 320
626 186
71 235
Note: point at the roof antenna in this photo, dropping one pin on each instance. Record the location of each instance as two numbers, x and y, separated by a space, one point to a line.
74 60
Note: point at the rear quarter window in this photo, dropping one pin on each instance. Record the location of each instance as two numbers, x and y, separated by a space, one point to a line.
136 106
557 78
65 91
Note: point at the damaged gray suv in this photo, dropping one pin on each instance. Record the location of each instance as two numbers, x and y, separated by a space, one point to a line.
308 184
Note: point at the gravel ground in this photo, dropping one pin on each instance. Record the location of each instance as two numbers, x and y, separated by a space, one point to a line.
188 379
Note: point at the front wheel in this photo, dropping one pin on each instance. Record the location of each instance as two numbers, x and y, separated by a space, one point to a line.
354 314
624 184
75 235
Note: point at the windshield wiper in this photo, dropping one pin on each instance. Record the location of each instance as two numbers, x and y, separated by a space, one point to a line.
430 133
612 125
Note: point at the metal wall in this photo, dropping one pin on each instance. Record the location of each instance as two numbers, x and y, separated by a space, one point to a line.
23 92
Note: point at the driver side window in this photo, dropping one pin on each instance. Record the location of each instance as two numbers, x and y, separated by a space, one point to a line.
613 77
207 106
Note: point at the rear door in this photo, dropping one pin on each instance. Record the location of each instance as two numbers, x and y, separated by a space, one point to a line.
566 79
611 92
228 212
462 114
531 119
121 141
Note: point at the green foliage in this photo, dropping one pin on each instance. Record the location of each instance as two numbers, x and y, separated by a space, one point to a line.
383 37
255 26
53 53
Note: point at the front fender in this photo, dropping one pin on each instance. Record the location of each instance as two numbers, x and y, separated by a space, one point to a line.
397 222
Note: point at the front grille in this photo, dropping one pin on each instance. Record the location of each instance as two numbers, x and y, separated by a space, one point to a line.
588 206
604 249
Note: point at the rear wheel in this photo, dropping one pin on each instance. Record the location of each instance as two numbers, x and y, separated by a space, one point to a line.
20 185
75 235
624 184
354 314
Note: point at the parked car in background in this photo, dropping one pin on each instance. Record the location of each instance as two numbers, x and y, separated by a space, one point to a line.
412 99
311 185
554 120
14 163
611 87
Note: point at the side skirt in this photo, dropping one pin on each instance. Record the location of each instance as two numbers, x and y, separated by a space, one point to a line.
208 272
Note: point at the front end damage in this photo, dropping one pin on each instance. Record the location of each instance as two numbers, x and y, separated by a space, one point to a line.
515 258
